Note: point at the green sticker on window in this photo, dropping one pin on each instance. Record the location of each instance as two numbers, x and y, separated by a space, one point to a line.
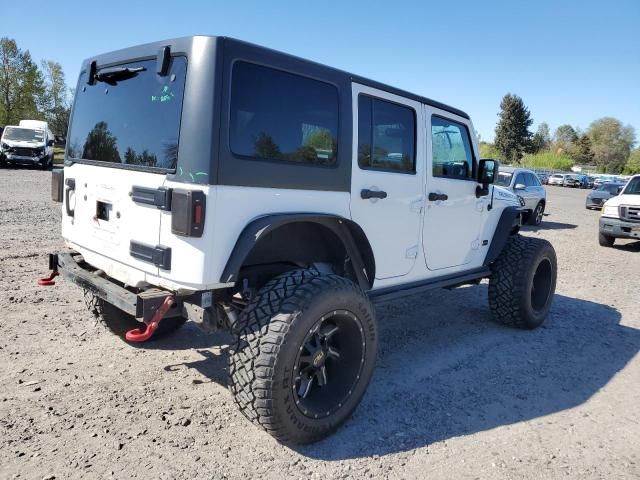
165 95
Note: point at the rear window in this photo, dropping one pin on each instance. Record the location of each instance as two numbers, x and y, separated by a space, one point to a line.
281 116
129 119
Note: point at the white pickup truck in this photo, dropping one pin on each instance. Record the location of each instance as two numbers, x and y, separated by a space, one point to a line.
621 215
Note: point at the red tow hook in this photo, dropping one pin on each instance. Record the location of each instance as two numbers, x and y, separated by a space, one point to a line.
136 335
48 281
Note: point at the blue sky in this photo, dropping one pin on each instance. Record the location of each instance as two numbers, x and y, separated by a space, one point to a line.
571 61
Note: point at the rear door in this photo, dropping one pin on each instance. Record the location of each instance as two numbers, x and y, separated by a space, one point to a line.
386 184
123 140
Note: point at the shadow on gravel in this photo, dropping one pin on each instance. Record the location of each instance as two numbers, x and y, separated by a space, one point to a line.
547 225
446 371
188 337
628 247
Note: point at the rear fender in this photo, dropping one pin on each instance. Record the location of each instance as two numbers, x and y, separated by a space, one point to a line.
353 239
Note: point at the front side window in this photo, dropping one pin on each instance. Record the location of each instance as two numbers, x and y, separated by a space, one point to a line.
504 179
451 147
386 136
520 180
281 116
130 115
532 180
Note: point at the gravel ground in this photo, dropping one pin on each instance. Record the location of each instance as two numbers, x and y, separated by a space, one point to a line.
453 396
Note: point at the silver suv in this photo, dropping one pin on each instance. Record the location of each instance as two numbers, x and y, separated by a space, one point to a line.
526 185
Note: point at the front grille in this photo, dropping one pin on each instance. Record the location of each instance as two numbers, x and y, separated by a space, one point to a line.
24 152
630 213
596 201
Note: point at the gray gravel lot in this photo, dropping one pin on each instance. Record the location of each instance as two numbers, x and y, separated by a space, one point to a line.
453 396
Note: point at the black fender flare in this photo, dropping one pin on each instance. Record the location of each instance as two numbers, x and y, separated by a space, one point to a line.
350 234
509 218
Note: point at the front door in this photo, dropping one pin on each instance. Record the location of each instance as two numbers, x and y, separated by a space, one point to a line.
453 216
387 173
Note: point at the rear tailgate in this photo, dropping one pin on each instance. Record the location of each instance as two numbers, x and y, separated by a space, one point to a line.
106 219
123 140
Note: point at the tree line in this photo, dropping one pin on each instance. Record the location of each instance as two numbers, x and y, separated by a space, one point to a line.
607 143
29 91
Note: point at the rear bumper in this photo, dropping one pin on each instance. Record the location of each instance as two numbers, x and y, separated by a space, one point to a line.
141 305
614 227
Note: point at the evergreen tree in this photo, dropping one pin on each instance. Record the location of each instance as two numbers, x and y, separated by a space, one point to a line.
582 152
513 137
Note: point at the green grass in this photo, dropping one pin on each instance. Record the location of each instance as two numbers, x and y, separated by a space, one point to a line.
549 161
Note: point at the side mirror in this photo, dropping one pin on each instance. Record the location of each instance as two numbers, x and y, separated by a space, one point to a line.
487 174
50 143
520 186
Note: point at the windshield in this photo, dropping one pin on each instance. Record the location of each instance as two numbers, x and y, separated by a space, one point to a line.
131 115
609 187
633 187
504 179
23 134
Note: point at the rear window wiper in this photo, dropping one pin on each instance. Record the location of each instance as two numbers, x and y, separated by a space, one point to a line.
112 76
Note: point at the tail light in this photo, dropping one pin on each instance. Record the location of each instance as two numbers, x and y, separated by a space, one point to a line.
187 212
57 184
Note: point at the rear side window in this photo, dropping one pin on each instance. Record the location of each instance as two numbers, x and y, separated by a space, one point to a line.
386 136
131 119
451 147
280 116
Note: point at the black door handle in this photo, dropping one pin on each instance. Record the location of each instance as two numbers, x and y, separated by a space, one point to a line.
71 186
366 193
434 197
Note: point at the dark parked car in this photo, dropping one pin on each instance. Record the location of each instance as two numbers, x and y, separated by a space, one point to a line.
587 181
543 177
604 192
572 181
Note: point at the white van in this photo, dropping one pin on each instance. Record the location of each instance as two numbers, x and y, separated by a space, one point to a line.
30 143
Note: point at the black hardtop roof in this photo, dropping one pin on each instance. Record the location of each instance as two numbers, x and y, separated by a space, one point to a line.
353 77
359 79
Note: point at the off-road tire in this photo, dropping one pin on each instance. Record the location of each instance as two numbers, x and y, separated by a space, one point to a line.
523 282
270 333
535 217
119 322
606 240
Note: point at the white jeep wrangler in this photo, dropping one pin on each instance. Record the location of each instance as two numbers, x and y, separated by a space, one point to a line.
217 181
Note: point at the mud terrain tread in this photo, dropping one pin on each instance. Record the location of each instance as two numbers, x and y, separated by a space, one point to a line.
508 281
260 331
